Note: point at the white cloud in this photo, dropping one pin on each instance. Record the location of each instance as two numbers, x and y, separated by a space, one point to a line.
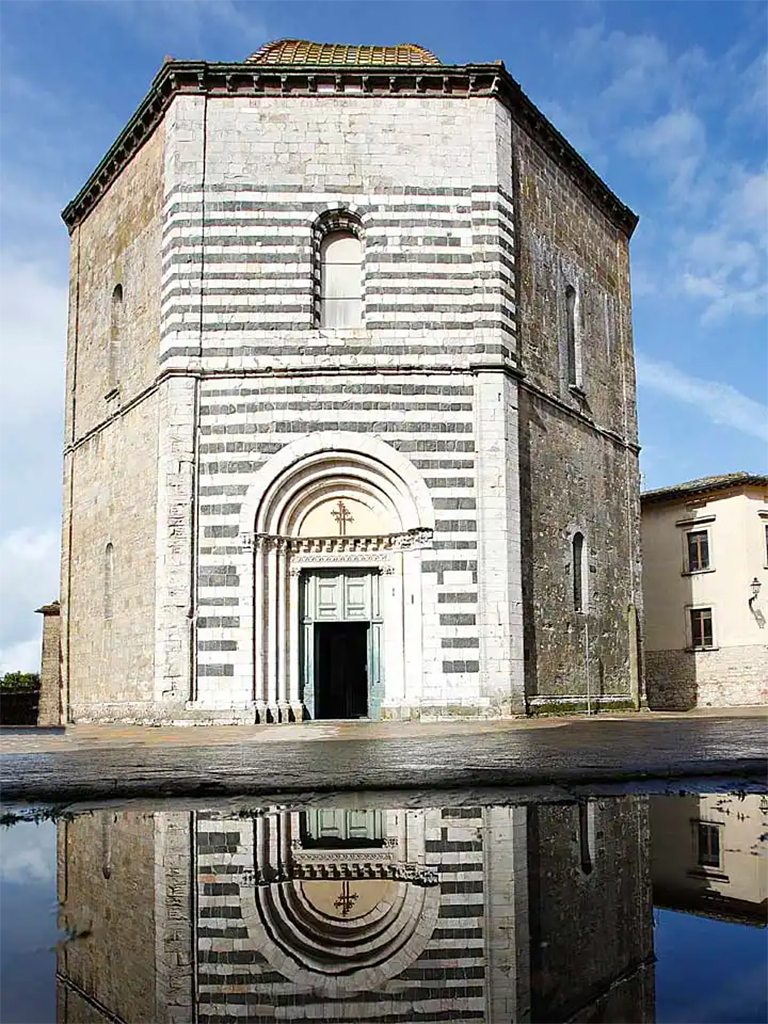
709 218
29 577
28 853
184 27
33 337
716 401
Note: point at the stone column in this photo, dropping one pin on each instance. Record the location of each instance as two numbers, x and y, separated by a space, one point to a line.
507 926
174 834
294 696
499 570
174 597
49 709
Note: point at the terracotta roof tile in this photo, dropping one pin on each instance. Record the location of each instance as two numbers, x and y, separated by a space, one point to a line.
302 51
704 484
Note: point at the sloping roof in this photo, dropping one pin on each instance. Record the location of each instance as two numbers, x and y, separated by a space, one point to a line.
302 51
704 484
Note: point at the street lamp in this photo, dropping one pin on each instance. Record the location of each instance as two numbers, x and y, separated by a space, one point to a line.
755 587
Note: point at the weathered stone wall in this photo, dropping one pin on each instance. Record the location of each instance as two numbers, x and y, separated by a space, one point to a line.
429 419
110 467
119 243
111 656
728 677
578 471
591 910
106 887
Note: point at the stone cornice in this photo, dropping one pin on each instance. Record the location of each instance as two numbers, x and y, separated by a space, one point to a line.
200 78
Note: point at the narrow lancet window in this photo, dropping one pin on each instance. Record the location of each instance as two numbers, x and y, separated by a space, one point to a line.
109 580
577 568
341 280
115 328
587 835
572 368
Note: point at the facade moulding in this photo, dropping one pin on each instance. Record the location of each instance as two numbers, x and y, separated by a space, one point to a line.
129 405
418 538
444 81
199 373
610 435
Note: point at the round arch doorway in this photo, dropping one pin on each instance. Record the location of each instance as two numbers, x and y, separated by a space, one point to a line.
345 523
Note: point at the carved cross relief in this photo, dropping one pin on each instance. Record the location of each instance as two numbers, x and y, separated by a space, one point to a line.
342 515
345 900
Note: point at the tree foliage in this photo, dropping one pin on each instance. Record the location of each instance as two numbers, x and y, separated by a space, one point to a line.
20 681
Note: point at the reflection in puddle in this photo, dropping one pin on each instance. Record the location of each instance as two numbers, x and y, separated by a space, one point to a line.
538 912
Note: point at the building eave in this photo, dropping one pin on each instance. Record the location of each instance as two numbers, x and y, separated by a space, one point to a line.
252 80
695 489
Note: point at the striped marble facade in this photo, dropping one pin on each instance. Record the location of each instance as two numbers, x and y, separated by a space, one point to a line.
238 262
446 975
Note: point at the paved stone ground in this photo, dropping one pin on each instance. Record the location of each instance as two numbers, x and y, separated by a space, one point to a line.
89 762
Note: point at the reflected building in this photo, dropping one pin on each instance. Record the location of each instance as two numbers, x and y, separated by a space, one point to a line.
708 855
496 914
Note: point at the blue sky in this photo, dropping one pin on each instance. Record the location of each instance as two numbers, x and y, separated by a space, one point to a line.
667 101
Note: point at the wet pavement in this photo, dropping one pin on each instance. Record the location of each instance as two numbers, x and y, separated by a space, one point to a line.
93 763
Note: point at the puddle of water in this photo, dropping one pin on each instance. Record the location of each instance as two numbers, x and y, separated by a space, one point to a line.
630 908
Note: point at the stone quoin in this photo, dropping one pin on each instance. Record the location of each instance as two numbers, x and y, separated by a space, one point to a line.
350 425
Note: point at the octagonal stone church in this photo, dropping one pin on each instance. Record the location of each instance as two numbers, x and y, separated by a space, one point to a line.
350 426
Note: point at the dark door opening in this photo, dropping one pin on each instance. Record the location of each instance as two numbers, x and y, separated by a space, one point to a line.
341 669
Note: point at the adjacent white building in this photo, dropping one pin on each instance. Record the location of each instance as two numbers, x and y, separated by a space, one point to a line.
705 581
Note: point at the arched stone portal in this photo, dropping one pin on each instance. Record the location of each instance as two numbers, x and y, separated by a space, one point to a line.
337 523
342 900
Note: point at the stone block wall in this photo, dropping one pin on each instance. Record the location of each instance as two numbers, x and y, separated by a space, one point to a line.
429 418
591 910
238 281
111 640
578 454
118 244
729 677
106 886
111 440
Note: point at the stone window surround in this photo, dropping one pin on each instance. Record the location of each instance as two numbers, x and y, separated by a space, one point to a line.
572 334
333 220
763 517
706 870
697 524
714 646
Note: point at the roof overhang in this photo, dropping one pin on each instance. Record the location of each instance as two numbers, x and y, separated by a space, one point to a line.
462 81
695 489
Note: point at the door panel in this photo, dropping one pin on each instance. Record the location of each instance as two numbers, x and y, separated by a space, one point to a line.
329 598
357 597
335 595
332 827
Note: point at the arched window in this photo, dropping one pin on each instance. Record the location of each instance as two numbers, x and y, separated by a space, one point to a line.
587 835
109 580
106 843
571 341
115 328
577 571
341 280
